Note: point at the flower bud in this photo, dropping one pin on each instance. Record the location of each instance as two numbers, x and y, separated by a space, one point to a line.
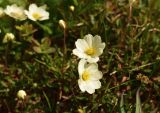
21 94
80 110
71 8
62 24
8 37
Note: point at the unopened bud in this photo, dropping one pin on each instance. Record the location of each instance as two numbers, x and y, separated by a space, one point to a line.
71 8
80 110
8 37
62 23
21 94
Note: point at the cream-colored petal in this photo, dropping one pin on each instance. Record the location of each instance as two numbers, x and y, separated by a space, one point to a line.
95 75
94 84
82 85
33 8
97 39
45 15
99 49
89 88
92 67
81 66
81 44
29 15
79 53
93 60
89 39
97 42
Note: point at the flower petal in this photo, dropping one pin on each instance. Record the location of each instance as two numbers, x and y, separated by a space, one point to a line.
97 39
89 89
89 39
92 67
82 85
94 84
93 60
81 44
97 84
96 75
81 66
33 8
79 53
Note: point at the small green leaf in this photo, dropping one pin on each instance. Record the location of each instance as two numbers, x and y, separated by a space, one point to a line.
37 49
50 50
46 41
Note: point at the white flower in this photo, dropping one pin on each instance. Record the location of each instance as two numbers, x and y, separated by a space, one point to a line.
89 76
89 48
8 37
21 94
15 12
37 13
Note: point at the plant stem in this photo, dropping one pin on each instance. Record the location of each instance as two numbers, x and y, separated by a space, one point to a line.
64 42
6 55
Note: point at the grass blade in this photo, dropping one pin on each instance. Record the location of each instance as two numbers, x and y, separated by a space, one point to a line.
138 103
122 104
49 105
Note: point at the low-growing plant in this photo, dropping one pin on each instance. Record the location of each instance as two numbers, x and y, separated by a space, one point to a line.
79 56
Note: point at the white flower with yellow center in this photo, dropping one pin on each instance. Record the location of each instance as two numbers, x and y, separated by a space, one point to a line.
89 48
37 13
89 76
15 12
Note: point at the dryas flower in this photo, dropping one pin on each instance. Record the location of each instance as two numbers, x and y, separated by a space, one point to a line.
8 37
21 94
37 13
89 76
89 48
15 12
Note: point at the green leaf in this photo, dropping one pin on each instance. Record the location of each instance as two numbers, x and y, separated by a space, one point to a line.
37 49
138 103
46 41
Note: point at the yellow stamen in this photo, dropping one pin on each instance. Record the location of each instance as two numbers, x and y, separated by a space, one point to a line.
85 75
36 15
90 51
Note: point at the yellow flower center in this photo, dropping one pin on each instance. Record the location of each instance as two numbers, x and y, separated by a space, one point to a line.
90 51
85 75
36 15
